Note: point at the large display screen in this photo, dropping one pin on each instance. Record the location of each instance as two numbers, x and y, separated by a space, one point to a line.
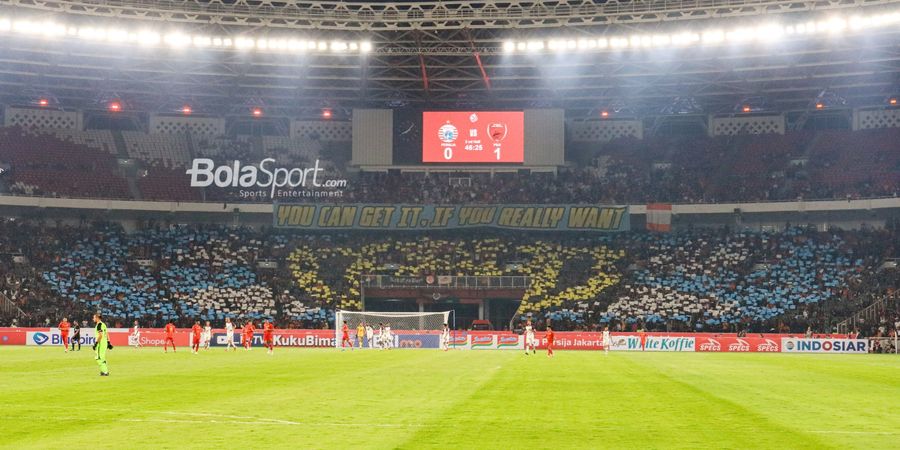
482 137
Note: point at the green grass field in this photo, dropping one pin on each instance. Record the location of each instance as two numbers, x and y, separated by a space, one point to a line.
460 399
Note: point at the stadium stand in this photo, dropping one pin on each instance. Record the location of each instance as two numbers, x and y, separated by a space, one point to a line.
158 150
42 164
221 148
694 169
714 280
161 183
708 280
97 139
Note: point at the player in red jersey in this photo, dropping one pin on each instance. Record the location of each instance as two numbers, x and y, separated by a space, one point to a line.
64 333
643 336
345 336
549 341
170 337
196 330
248 334
269 336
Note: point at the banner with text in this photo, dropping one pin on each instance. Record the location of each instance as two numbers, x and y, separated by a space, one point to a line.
812 345
435 217
737 344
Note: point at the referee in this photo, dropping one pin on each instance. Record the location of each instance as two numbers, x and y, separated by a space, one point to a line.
101 345
76 335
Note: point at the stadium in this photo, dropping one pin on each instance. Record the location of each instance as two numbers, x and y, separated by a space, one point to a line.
465 224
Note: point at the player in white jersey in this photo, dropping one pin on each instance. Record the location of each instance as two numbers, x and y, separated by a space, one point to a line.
388 339
370 335
135 337
379 339
529 337
607 340
206 336
445 338
229 335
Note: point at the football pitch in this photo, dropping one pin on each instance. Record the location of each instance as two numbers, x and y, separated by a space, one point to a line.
460 399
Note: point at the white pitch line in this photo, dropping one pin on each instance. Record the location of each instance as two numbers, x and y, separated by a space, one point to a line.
263 422
225 416
223 422
854 432
232 419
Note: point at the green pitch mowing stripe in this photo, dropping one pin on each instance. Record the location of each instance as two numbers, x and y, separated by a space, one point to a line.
459 399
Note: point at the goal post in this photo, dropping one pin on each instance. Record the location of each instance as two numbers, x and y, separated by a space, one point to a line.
401 323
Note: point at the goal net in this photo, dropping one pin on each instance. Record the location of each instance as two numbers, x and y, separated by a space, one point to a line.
426 326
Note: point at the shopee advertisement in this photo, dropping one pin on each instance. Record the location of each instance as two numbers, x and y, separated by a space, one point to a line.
485 137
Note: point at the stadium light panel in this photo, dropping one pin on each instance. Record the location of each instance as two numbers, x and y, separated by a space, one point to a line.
832 26
174 39
618 43
892 101
257 112
745 108
187 110
114 106
177 40
820 105
604 114
43 102
243 43
326 113
713 36
117 35
202 41
148 38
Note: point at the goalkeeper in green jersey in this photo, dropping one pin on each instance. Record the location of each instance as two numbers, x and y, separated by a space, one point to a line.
101 345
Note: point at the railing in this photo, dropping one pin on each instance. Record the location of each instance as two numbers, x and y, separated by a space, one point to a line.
870 314
7 307
445 281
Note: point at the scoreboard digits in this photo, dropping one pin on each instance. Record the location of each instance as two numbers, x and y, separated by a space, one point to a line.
480 137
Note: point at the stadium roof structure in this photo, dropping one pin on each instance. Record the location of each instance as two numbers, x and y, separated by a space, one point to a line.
564 53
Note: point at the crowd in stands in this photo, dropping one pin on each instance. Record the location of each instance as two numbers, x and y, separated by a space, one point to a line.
701 280
797 165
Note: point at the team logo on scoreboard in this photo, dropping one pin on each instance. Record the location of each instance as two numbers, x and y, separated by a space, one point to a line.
473 118
448 133
497 131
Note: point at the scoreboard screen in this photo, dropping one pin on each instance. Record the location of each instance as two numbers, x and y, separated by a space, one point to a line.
481 137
